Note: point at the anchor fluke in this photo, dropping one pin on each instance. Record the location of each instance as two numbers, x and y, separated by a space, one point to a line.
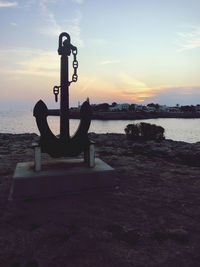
52 144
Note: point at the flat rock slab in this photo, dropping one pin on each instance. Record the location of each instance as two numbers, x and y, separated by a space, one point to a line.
60 177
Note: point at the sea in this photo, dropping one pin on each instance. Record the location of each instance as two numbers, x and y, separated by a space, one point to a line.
22 121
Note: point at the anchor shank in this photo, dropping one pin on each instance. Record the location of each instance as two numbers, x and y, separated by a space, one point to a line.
64 100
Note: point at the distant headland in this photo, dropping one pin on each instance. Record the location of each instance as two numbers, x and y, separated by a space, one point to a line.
127 111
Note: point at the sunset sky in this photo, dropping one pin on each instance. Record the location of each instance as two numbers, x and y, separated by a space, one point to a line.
129 51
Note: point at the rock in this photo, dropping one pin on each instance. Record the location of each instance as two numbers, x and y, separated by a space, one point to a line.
16 264
190 158
160 236
109 143
176 151
161 150
32 263
62 237
131 237
4 152
114 228
179 235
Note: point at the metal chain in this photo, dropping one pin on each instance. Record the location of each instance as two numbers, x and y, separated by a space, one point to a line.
74 76
75 65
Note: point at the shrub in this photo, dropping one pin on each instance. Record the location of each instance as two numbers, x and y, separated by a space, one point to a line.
144 131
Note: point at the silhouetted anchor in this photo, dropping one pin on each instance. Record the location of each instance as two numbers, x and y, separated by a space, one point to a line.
64 145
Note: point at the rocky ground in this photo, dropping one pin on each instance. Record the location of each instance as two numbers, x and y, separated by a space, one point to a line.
151 217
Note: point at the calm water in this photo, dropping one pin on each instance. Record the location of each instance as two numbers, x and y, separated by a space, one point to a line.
187 130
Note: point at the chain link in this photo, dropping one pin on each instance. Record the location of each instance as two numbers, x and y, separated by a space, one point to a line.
74 76
56 92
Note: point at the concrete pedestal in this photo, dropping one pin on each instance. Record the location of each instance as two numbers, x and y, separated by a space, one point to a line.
60 177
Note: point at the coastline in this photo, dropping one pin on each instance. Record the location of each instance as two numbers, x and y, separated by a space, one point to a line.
101 115
150 218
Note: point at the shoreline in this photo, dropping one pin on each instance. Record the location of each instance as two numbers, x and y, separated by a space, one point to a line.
133 115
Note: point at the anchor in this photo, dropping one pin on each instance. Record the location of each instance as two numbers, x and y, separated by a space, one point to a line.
64 145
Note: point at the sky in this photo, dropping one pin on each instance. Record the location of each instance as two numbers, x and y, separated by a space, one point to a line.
129 51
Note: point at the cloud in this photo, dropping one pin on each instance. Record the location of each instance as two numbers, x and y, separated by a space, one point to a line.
13 24
122 87
28 73
53 28
8 4
43 63
184 95
73 28
96 87
87 82
78 1
181 90
137 91
32 62
189 40
131 89
105 62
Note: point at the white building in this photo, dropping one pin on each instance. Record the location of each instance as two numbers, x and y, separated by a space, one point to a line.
163 108
150 109
124 106
197 108
139 108
174 109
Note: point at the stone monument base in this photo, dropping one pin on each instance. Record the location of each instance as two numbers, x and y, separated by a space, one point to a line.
60 177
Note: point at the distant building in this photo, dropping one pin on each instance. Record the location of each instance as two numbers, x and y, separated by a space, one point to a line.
163 108
174 109
150 109
197 108
119 107
138 108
